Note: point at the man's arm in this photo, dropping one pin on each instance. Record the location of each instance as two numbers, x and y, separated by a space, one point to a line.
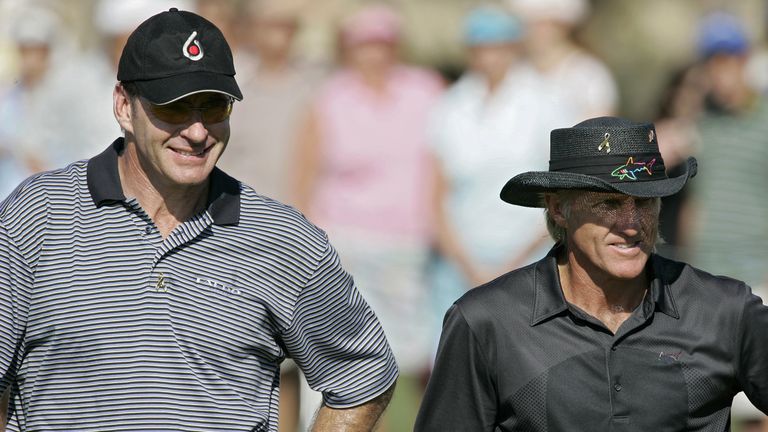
461 393
753 352
4 408
356 419
15 277
338 343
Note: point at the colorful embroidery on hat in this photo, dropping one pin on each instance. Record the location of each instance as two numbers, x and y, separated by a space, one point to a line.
192 49
629 169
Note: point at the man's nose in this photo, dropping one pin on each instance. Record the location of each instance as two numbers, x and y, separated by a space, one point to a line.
196 131
629 218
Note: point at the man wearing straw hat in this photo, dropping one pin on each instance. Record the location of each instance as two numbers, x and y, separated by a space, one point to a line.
602 334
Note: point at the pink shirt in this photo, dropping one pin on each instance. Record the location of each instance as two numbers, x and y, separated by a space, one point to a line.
375 174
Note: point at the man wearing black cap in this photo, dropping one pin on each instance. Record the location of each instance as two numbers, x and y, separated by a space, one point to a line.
602 334
144 289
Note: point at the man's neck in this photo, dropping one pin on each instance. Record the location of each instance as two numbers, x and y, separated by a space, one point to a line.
167 205
611 301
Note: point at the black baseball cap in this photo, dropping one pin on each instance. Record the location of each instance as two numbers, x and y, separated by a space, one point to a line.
175 54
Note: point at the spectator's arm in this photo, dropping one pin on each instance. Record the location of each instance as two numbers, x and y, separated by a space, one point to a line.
307 159
448 242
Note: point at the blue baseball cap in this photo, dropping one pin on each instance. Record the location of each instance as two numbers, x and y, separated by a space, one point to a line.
721 33
491 25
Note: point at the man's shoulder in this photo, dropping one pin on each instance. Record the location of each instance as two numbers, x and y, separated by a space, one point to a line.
44 186
264 214
689 283
511 294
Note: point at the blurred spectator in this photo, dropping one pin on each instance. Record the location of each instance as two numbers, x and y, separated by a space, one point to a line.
584 84
224 14
730 231
732 214
492 122
277 87
7 49
681 105
46 111
364 175
60 107
31 35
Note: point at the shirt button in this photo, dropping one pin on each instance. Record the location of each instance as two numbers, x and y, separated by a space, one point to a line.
617 387
148 230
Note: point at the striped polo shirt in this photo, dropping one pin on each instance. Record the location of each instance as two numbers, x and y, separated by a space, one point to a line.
106 326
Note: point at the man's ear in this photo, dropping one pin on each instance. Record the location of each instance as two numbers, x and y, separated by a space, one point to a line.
554 207
121 107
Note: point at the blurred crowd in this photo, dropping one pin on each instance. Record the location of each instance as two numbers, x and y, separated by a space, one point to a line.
402 163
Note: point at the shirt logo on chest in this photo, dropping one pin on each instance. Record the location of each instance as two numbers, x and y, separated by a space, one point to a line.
670 357
218 287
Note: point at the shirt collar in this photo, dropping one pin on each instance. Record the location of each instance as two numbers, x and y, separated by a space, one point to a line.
550 301
665 280
105 188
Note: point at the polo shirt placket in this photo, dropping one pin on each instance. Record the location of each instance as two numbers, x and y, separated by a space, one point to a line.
615 361
150 241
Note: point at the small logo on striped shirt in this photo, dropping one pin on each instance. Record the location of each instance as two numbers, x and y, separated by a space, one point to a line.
218 286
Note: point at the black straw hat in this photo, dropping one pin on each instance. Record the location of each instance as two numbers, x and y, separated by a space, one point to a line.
604 154
175 54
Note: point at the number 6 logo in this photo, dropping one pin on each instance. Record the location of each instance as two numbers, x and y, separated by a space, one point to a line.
192 49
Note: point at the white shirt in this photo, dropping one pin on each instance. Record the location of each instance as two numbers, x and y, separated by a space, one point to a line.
482 141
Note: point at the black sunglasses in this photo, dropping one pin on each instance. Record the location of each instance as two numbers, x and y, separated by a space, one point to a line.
179 112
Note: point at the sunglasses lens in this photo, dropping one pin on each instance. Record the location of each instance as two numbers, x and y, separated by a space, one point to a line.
217 111
174 113
181 112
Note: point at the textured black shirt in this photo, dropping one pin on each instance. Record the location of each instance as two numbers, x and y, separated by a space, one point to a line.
515 356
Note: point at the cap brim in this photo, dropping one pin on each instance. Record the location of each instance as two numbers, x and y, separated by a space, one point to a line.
166 90
526 189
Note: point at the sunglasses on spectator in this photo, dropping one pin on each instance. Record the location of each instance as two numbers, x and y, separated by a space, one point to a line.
179 112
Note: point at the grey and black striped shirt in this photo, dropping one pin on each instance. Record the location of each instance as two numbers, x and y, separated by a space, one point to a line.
106 326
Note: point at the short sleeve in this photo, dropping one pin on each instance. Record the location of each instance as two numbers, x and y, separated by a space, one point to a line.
753 352
14 277
461 394
336 339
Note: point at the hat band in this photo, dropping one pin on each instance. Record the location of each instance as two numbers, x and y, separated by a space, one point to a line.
639 167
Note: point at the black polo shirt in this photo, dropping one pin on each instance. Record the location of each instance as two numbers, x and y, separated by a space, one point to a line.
515 356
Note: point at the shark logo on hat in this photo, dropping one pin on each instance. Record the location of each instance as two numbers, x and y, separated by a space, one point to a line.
192 49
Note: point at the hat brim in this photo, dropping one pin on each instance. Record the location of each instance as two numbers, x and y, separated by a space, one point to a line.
526 189
163 91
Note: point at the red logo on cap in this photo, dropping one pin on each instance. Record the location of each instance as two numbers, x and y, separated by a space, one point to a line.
192 49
